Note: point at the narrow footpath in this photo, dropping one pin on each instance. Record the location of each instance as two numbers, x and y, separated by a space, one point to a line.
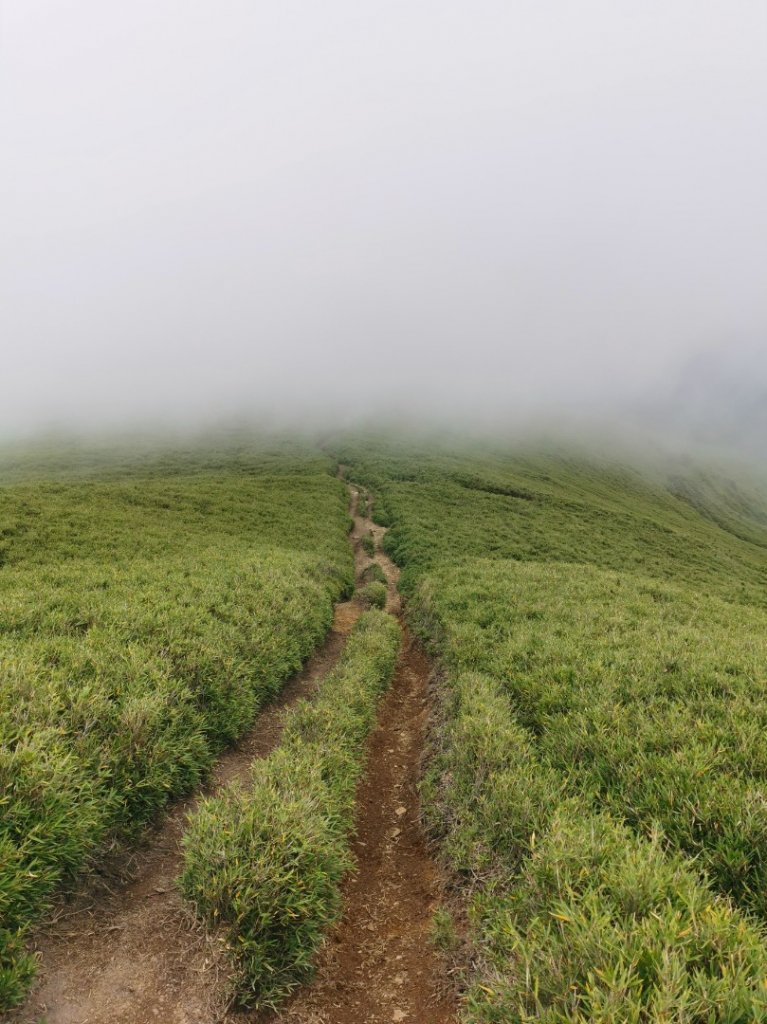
378 966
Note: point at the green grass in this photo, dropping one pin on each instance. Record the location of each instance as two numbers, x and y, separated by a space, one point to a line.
146 615
598 779
574 917
375 594
264 863
475 502
650 699
374 574
599 771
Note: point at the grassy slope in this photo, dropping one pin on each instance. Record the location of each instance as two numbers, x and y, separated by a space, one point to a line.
604 721
146 612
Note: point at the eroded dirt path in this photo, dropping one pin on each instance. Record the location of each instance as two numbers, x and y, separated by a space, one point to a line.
378 966
127 949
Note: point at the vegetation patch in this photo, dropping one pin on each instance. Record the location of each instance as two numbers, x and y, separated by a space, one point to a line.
374 574
375 594
368 544
478 483
585 512
145 616
649 699
574 916
599 763
265 863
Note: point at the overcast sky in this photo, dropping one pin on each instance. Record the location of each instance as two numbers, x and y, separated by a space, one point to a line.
291 206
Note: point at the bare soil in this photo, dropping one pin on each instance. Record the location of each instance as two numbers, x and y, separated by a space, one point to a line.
127 950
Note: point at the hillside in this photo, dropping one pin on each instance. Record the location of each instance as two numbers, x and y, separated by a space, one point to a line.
146 616
581 729
598 778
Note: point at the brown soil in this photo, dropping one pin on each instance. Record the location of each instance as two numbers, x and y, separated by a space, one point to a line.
126 950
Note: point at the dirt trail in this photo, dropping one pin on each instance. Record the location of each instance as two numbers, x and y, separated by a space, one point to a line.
130 952
378 964
126 949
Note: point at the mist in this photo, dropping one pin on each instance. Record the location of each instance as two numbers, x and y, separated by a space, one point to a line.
495 214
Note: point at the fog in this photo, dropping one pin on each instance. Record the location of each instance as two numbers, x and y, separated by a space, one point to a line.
495 213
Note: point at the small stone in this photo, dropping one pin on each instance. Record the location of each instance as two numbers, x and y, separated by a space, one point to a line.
401 810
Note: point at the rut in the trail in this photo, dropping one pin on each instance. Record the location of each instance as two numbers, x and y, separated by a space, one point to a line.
378 965
127 950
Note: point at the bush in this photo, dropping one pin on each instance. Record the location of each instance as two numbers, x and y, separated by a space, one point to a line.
601 925
265 863
368 544
375 594
374 574
577 918
648 698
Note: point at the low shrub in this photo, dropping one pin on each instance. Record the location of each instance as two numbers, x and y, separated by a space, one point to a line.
374 574
375 594
602 925
368 544
574 917
648 698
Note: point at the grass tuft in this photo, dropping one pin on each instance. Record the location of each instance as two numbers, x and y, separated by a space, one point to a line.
374 574
375 594
368 544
